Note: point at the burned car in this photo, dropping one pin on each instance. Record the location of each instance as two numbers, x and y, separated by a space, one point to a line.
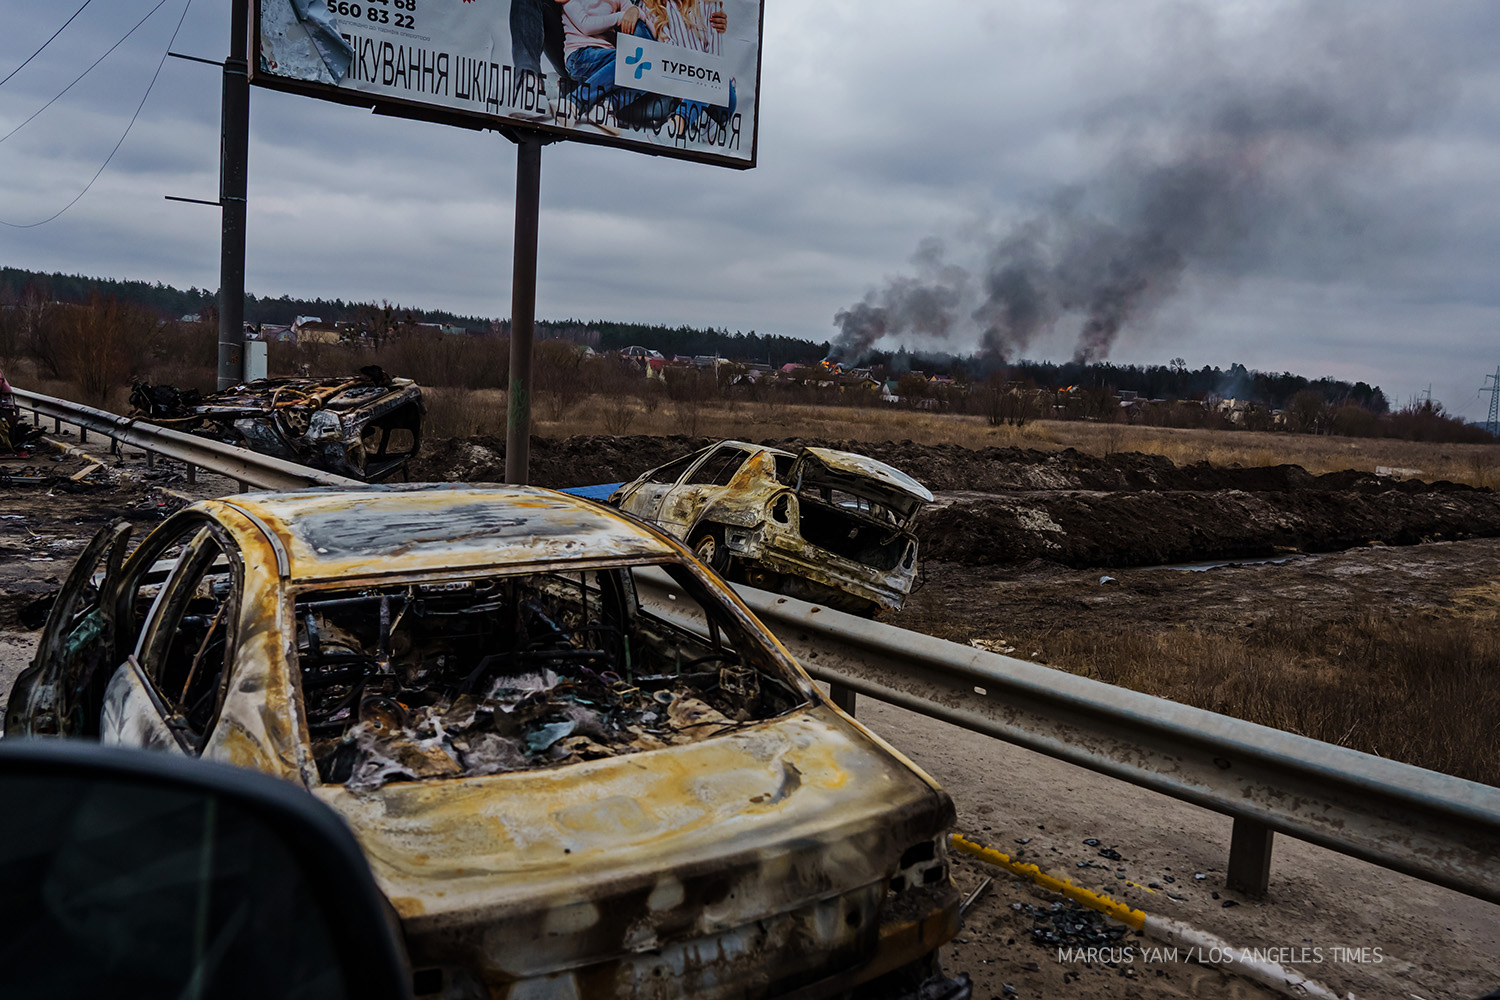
365 426
823 525
579 767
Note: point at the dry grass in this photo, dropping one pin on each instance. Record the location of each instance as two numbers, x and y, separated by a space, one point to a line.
464 413
1420 690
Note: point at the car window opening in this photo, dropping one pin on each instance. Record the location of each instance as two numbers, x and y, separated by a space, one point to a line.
187 650
509 673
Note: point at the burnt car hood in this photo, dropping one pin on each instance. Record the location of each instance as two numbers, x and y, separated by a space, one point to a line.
861 476
532 872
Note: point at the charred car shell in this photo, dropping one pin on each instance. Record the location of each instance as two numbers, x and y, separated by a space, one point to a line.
365 426
824 525
708 825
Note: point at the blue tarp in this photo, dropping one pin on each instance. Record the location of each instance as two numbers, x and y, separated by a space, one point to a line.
600 492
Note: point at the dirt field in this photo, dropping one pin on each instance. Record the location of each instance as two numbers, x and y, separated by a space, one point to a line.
1017 555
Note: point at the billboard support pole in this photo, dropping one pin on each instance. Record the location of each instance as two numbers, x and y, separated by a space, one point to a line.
234 143
523 306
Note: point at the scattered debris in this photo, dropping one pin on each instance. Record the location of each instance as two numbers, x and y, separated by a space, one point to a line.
1067 923
975 896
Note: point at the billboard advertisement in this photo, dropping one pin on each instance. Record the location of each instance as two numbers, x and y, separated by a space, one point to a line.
672 77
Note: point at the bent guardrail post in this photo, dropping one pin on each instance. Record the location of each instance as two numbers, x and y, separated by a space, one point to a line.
245 467
1432 826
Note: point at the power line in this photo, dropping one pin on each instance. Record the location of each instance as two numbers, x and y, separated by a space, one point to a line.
96 62
138 107
44 44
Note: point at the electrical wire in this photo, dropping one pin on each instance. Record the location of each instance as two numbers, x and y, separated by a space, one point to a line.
44 44
128 127
86 72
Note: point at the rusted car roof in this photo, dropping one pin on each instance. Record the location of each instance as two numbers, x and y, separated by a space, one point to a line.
329 534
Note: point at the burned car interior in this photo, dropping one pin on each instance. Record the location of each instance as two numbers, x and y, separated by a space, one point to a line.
506 673
855 527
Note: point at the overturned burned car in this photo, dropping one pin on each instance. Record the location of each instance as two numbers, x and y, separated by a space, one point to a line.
823 525
366 426
579 767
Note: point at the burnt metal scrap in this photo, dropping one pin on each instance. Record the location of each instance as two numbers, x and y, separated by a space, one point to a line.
366 426
564 790
827 526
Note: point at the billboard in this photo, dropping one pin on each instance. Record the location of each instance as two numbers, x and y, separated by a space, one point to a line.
672 77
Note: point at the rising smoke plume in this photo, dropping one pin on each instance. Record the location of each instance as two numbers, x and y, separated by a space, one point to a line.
1264 151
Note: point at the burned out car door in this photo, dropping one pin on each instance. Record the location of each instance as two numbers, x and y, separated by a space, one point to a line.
58 695
644 497
168 692
684 503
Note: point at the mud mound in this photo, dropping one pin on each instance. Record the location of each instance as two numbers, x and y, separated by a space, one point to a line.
575 461
583 460
1146 528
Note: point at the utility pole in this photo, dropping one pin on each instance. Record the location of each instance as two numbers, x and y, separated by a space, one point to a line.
523 305
1493 423
234 145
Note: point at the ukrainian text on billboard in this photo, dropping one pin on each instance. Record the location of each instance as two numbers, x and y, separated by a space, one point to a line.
670 76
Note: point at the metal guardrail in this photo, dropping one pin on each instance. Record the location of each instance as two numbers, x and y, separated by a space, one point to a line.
1432 826
1428 825
243 465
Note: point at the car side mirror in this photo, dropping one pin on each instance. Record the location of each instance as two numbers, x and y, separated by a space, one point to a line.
126 873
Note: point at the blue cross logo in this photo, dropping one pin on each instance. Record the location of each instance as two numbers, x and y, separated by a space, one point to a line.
633 60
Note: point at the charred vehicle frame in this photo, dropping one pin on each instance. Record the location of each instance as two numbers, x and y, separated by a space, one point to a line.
365 426
562 792
823 525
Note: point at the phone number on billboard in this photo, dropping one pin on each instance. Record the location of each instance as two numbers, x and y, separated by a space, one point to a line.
375 11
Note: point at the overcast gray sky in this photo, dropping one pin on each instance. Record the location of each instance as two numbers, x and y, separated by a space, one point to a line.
1304 186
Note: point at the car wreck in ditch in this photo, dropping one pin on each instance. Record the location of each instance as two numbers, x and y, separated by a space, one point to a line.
578 766
365 426
822 525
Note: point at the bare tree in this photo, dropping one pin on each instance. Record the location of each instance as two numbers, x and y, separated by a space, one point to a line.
101 342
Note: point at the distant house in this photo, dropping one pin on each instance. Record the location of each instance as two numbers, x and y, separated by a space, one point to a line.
858 383
312 330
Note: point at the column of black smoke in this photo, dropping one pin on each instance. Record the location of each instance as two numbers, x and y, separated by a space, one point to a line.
1229 172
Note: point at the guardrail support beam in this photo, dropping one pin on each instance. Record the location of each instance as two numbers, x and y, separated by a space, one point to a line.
842 696
1250 857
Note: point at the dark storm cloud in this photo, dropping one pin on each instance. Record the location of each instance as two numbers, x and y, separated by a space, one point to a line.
1260 150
